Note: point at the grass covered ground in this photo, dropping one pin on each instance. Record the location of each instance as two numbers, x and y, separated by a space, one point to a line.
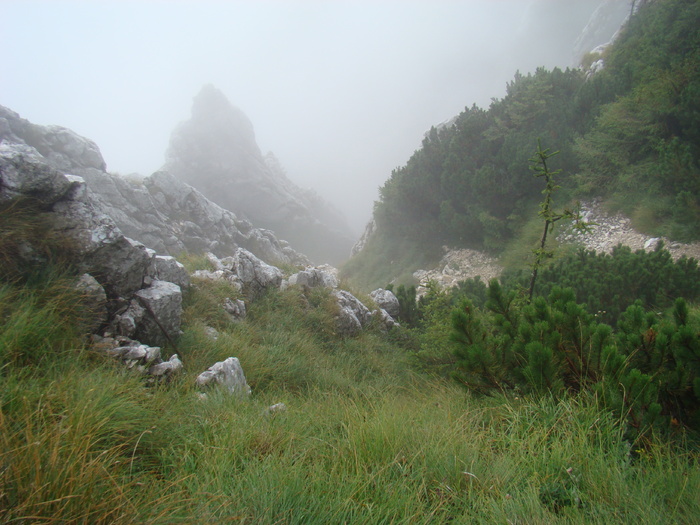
366 438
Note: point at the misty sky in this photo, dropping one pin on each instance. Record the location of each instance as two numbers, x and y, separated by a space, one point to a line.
340 91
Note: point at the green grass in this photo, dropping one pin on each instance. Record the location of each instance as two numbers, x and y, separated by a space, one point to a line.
365 438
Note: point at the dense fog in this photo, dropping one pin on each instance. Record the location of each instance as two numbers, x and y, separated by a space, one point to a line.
341 92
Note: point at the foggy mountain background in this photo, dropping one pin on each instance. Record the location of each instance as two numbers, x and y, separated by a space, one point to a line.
341 92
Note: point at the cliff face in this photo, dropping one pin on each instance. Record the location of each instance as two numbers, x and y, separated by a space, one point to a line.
216 152
160 211
602 27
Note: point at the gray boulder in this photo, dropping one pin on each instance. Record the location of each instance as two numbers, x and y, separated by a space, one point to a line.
218 275
652 244
235 309
167 268
162 305
94 300
24 174
166 368
352 315
126 322
312 277
137 356
228 374
255 275
385 321
386 300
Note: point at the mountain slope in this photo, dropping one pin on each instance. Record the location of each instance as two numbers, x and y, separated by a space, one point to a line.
216 152
628 134
160 211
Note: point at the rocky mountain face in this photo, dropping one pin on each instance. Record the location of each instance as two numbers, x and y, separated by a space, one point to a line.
159 211
134 295
216 152
602 27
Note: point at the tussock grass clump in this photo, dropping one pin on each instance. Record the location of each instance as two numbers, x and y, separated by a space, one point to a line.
79 448
30 246
40 320
195 261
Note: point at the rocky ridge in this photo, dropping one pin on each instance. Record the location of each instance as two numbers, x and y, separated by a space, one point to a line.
134 294
160 211
216 152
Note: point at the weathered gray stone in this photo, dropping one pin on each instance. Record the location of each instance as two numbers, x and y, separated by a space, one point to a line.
651 244
166 368
385 321
125 323
24 174
94 301
212 333
160 323
352 315
370 230
235 309
62 148
312 277
228 374
255 274
142 354
277 408
214 260
386 300
218 275
167 268
94 243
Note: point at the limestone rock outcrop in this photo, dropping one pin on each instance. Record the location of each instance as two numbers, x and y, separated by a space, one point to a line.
94 301
216 152
95 245
159 211
90 240
228 374
352 316
145 358
386 300
162 302
370 230
167 268
244 270
235 309
312 277
602 27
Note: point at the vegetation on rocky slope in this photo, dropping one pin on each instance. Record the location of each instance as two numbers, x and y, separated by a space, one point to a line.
367 436
371 433
628 134
581 403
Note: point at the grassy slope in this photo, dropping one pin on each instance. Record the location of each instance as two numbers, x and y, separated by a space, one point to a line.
365 438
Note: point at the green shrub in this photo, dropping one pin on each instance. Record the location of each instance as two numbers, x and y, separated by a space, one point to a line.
647 371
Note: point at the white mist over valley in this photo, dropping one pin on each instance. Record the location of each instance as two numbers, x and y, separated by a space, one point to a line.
340 92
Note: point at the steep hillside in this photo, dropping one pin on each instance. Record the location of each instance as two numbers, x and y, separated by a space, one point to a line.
627 134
